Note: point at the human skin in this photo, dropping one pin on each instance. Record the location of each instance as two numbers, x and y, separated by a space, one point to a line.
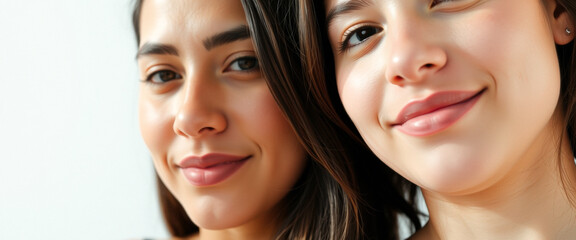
200 99
479 82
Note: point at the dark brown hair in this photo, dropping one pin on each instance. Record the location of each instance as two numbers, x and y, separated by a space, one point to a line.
319 57
291 70
567 59
345 192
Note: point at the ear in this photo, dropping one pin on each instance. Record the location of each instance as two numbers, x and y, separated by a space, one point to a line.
562 24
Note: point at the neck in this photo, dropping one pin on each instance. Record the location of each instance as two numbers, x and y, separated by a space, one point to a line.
534 202
234 234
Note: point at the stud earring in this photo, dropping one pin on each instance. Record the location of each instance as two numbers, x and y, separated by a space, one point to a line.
568 31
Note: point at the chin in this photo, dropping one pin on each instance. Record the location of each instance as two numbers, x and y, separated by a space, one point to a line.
453 176
209 220
449 185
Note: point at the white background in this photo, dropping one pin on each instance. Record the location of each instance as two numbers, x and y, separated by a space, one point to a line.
73 165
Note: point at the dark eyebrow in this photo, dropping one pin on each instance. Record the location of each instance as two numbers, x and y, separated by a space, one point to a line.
238 33
344 8
156 48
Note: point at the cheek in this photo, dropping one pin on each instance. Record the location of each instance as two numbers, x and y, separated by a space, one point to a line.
155 126
284 158
268 123
500 37
281 153
509 38
361 90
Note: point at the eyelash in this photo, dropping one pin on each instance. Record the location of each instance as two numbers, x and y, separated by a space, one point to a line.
161 74
345 44
164 76
433 3
348 35
255 66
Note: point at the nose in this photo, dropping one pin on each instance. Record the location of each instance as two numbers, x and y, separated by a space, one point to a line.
414 56
199 113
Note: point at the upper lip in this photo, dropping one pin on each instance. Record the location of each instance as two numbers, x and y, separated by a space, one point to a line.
209 160
432 103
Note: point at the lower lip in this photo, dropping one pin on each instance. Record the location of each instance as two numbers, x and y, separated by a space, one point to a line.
438 120
212 175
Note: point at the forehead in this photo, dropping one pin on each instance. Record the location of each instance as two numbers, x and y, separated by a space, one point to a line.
188 17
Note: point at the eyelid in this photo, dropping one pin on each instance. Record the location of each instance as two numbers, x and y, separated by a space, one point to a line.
161 88
154 69
251 75
237 61
151 75
237 56
148 64
454 5
346 36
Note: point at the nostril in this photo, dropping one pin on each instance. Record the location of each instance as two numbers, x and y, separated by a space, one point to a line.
429 65
397 80
206 129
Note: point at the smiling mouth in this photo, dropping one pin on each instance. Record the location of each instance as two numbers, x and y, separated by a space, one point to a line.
435 113
211 169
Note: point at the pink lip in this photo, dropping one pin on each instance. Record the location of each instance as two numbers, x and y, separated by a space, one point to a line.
435 113
211 168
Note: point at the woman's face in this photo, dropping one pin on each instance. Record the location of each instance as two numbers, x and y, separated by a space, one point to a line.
218 139
450 94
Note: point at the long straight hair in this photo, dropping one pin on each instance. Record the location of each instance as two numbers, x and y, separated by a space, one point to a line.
321 69
567 60
291 70
329 201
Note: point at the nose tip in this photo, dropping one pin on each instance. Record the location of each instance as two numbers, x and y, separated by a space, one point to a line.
198 123
200 111
413 61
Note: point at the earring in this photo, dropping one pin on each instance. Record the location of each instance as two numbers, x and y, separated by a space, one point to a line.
568 31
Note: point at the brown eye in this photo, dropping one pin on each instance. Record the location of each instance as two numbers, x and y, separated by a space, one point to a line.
244 64
163 76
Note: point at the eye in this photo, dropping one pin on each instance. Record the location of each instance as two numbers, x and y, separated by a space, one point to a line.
163 76
436 2
357 36
244 64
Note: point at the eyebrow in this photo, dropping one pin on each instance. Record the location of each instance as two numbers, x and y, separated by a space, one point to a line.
235 34
343 8
156 48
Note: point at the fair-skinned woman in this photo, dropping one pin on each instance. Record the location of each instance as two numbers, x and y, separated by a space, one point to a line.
472 100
